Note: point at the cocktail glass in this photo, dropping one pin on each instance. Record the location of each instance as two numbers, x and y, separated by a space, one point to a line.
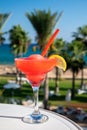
35 68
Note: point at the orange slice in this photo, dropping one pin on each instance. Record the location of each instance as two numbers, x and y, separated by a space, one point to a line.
61 63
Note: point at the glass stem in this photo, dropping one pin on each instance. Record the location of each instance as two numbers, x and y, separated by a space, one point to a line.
36 108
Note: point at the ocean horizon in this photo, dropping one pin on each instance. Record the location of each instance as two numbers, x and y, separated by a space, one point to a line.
7 57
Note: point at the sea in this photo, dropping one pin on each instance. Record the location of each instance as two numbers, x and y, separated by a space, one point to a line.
7 57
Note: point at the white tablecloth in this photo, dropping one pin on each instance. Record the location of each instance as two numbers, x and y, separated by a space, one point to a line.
11 119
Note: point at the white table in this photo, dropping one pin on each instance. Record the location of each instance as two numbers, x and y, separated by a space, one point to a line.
11 119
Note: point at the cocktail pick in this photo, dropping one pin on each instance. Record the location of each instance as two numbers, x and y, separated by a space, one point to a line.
49 42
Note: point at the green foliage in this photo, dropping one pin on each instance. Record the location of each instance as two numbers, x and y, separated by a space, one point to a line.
26 90
74 56
3 19
57 47
43 23
19 40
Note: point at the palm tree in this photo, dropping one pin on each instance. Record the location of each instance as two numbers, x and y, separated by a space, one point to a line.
81 35
73 56
3 20
19 42
57 48
43 23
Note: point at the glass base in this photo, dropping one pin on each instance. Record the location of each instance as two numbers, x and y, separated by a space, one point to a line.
32 119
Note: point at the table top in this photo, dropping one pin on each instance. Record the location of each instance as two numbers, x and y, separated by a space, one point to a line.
11 119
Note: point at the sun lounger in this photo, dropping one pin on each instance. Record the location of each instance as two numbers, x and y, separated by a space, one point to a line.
81 117
60 110
70 111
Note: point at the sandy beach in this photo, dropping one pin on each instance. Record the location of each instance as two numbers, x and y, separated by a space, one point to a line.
7 69
11 69
68 74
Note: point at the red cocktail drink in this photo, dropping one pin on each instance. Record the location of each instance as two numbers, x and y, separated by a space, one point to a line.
35 67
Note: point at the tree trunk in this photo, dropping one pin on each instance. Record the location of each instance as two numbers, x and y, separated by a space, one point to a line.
57 81
17 75
82 75
46 93
73 85
20 78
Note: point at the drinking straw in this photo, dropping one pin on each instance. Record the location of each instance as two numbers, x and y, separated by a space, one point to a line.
49 42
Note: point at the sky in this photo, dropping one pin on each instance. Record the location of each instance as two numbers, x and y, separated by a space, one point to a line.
74 15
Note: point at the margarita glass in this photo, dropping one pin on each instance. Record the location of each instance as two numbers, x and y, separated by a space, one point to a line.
35 67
